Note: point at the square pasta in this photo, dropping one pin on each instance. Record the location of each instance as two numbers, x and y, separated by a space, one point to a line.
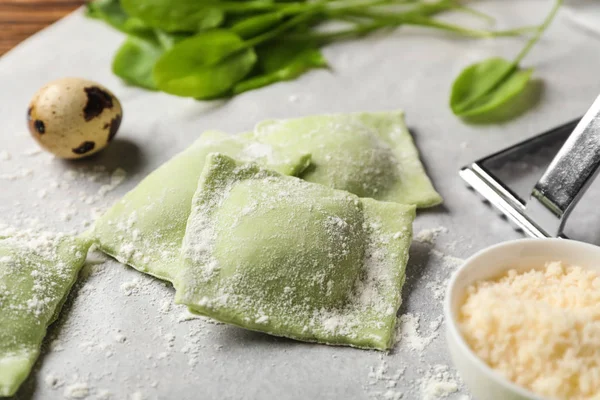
368 154
280 255
37 271
146 227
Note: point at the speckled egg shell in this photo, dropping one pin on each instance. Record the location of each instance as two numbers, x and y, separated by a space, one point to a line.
73 117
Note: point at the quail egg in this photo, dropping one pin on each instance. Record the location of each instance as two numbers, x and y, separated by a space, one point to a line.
73 117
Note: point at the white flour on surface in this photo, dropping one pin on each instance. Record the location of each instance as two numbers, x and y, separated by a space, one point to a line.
34 151
448 261
438 383
20 174
429 236
52 381
123 319
67 192
424 375
409 332
77 390
137 396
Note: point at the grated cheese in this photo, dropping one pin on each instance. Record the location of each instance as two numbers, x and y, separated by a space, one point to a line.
540 329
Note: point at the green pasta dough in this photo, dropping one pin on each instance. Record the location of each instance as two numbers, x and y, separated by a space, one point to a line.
278 254
36 275
368 154
146 227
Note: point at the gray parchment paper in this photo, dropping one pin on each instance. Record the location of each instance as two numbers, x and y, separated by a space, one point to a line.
121 337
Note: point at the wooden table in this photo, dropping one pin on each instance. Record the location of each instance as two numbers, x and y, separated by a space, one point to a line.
19 19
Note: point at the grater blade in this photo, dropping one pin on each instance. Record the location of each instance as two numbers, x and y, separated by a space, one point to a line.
506 178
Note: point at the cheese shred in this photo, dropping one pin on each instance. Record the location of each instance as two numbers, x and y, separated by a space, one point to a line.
539 328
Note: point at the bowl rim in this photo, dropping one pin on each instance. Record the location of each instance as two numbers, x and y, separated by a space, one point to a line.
452 325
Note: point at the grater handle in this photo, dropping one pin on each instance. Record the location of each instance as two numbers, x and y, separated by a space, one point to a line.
569 175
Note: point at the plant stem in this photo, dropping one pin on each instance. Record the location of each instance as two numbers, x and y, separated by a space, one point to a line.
315 9
419 16
312 10
539 32
477 13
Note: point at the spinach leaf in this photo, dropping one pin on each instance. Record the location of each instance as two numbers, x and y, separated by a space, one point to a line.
483 87
252 26
174 16
111 12
260 42
204 66
135 60
282 61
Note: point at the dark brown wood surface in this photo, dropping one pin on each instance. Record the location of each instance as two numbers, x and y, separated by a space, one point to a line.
20 19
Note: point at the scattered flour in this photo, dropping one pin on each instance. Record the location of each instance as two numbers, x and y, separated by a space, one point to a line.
20 174
131 287
52 381
448 262
438 383
408 331
5 155
429 236
380 374
166 306
120 338
56 345
186 315
137 396
42 193
78 390
104 395
381 378
169 339
438 288
34 151
116 178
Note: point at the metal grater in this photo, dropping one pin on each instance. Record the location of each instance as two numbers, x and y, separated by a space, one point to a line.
575 147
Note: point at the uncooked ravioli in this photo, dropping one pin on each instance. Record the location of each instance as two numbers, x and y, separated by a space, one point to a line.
36 274
146 227
368 154
278 254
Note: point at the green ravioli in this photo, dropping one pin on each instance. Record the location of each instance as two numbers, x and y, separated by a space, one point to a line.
146 227
36 274
368 154
278 254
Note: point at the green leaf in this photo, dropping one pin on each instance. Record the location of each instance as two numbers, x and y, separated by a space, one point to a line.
111 12
204 66
135 60
282 61
514 84
252 26
168 40
476 81
485 86
174 16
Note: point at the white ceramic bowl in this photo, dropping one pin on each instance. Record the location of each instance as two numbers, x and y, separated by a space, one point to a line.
484 382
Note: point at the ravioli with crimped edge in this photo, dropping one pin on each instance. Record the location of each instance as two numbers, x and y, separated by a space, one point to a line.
370 154
287 257
145 228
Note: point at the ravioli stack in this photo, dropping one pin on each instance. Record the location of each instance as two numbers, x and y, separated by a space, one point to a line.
300 228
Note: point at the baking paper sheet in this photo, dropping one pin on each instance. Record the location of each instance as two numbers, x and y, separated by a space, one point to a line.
120 335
